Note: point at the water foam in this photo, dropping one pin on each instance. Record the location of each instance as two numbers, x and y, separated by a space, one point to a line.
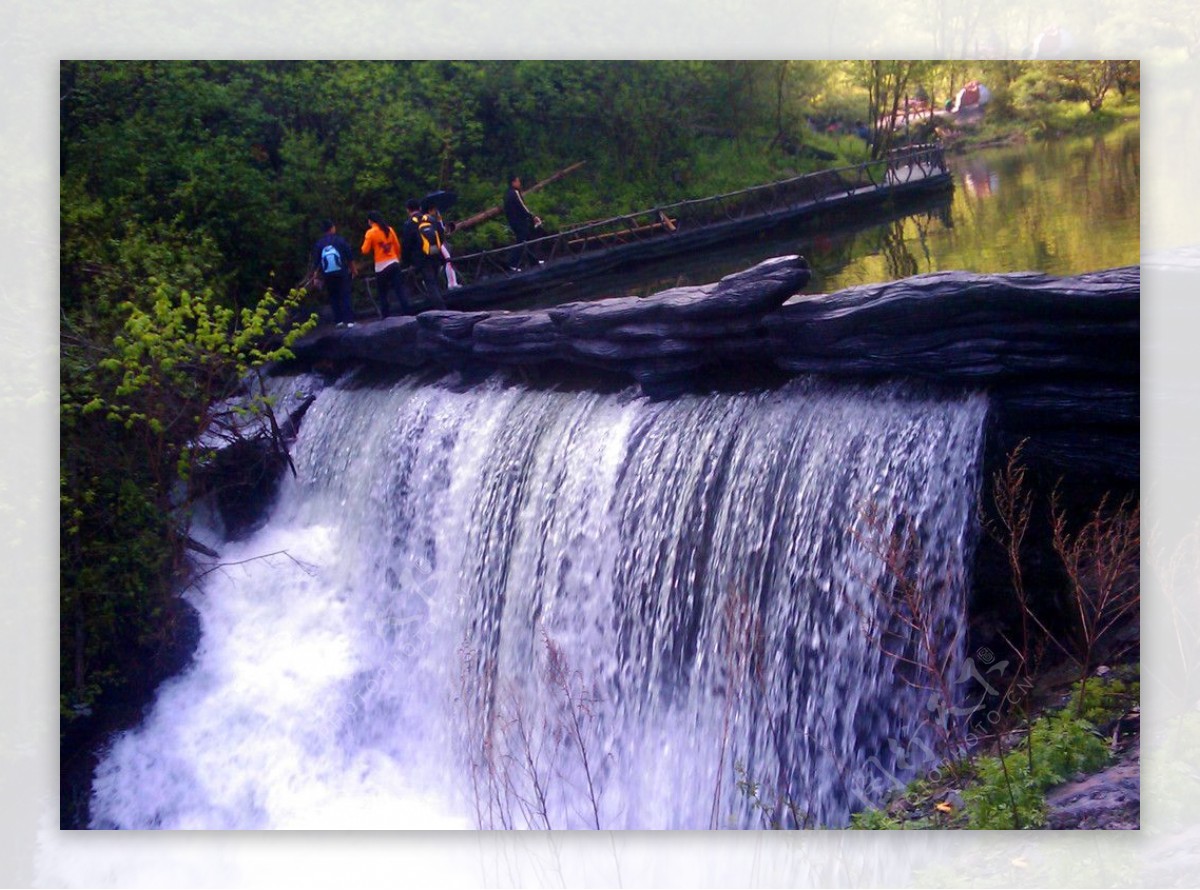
498 606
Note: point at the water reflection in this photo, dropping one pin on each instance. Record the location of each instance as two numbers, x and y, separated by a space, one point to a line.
1058 207
1061 207
979 180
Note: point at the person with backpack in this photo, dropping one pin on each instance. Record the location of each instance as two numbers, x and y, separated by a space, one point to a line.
331 258
381 244
422 240
448 267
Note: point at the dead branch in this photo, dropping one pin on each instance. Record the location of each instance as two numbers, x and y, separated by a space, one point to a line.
485 215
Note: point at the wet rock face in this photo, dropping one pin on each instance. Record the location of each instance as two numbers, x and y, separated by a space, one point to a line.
248 450
956 326
1109 799
1059 357
245 479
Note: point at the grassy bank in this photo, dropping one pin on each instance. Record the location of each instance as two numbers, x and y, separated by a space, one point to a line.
1005 122
1003 783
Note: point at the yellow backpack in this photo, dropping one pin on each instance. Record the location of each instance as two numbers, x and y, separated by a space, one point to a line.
431 235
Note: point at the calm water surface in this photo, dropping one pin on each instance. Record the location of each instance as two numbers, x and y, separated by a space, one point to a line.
1061 207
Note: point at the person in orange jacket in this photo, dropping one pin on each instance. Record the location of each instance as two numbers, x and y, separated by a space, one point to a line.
380 243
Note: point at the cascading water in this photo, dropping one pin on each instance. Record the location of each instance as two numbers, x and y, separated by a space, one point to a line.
497 606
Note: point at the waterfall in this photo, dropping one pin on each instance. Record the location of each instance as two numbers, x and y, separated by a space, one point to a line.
491 605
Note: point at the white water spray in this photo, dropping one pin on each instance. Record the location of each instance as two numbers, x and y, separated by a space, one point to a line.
493 606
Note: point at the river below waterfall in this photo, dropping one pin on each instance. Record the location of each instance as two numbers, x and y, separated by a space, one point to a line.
491 605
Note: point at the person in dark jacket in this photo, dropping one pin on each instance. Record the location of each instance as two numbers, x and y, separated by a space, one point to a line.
409 239
520 219
332 259
424 266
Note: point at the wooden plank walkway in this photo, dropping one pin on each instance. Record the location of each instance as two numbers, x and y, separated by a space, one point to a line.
598 247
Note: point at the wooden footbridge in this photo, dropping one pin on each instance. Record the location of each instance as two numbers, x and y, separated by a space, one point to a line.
594 248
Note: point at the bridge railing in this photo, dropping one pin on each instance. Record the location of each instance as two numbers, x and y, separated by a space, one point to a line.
902 165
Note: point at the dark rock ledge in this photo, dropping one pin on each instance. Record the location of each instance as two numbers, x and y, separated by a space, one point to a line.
657 340
1059 357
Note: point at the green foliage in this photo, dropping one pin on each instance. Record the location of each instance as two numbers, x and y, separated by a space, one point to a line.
875 820
184 344
1010 791
1052 98
913 809
251 155
144 358
117 561
1042 85
1103 700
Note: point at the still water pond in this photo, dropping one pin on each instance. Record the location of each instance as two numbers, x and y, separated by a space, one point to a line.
1060 207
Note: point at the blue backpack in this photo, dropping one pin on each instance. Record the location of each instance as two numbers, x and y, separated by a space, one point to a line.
331 260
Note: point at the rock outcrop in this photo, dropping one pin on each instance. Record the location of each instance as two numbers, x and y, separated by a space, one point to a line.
1059 357
247 446
659 340
1109 799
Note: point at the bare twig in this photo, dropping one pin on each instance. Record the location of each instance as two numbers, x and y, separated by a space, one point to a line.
903 600
741 643
308 568
516 747
1101 561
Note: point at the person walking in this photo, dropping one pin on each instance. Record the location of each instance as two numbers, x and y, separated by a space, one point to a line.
520 219
381 244
332 259
435 215
415 234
